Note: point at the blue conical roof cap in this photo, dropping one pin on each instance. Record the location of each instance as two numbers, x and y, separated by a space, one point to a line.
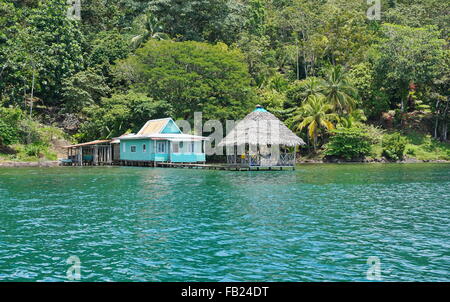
259 108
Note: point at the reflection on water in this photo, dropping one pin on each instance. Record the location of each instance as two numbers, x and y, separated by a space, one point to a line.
320 222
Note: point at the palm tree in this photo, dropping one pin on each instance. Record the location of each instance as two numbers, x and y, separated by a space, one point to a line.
312 87
352 119
338 91
150 28
315 114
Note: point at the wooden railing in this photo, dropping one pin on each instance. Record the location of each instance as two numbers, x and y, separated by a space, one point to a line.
284 159
287 159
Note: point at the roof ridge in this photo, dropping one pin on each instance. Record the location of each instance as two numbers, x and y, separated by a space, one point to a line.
166 120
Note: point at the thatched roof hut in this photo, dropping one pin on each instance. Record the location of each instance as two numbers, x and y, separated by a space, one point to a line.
261 127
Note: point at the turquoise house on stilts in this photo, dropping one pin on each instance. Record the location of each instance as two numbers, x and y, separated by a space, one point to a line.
161 140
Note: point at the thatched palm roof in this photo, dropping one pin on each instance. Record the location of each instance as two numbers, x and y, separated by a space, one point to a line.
261 127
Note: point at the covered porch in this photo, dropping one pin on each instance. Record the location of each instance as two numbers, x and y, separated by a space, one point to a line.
94 153
261 140
262 157
258 160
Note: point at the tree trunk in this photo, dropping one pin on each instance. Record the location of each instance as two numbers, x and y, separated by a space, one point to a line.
315 139
25 97
32 95
298 63
436 122
445 123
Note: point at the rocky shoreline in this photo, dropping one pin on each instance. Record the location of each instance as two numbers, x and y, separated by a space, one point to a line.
43 164
371 160
18 164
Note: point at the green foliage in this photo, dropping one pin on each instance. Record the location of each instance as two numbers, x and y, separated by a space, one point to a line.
31 131
84 89
338 90
104 15
420 13
47 46
271 99
107 47
315 114
101 72
27 139
260 58
36 149
203 20
352 119
9 125
424 147
191 77
148 27
349 143
315 33
373 101
394 146
408 55
121 113
300 91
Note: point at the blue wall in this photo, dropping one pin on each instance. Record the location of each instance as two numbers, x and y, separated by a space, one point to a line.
187 158
171 127
184 154
125 149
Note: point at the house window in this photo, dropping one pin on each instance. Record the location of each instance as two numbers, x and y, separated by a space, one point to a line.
133 149
181 145
161 147
191 147
124 148
175 148
144 148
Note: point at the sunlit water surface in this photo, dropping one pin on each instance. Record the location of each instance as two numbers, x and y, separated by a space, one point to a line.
318 223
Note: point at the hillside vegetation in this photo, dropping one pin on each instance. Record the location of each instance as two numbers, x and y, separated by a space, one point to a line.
352 87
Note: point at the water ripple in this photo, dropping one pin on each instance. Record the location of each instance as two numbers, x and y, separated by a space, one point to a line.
319 223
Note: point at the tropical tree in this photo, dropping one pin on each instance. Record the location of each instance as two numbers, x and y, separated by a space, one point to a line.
119 114
409 56
315 114
191 77
352 119
338 90
313 87
204 20
150 28
299 91
83 89
47 49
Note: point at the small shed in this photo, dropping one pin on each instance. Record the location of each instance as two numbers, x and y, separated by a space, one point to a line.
98 152
261 139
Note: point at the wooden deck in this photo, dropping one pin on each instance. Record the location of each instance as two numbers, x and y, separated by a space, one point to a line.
224 167
227 167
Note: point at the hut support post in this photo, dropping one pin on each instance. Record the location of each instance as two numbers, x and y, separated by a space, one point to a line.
295 154
95 159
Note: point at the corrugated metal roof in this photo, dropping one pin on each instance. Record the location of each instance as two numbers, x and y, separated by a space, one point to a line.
153 126
166 136
96 142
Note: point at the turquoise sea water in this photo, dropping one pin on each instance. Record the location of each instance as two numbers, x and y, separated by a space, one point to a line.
318 223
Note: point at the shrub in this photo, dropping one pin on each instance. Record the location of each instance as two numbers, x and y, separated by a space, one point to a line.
8 134
411 151
36 149
349 143
9 121
394 146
